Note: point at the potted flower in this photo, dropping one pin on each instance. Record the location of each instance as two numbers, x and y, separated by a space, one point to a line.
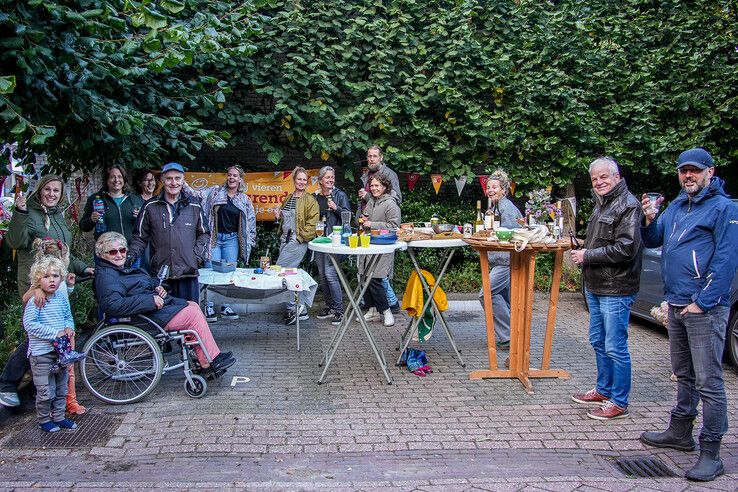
539 209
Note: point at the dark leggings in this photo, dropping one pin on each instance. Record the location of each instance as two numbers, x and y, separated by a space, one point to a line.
375 295
15 368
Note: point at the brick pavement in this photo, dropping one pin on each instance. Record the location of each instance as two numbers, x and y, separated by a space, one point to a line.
282 431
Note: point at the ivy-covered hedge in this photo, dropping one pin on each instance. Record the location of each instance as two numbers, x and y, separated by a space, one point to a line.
461 87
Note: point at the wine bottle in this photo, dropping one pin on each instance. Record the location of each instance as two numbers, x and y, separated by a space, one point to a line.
479 223
575 244
488 216
496 216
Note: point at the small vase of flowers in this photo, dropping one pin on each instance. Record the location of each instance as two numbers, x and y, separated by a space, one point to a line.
539 209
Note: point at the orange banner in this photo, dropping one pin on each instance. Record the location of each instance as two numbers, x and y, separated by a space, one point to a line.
267 190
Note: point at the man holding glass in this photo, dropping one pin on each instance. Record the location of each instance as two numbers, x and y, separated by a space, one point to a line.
698 233
611 269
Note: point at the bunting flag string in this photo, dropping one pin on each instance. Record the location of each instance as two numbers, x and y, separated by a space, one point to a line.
437 180
483 181
286 174
460 183
412 180
313 179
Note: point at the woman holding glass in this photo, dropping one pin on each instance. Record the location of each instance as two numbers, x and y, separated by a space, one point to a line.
498 186
297 220
112 209
232 221
381 212
332 203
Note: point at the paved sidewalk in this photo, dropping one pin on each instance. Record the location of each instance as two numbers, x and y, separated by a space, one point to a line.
282 431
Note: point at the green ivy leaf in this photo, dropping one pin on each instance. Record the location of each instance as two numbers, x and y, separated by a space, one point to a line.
7 84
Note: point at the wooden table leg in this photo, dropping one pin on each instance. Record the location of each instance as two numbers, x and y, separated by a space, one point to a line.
552 303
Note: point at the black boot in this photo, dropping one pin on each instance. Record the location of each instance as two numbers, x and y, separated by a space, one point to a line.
709 466
677 436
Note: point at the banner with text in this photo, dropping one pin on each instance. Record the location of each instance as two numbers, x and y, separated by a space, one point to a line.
267 190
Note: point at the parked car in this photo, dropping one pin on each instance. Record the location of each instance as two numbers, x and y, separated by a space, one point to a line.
652 293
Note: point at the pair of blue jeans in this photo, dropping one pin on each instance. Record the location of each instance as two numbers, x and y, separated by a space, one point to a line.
225 249
329 282
696 342
608 335
389 291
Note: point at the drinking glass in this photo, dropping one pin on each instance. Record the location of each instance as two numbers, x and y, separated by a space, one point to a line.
353 240
653 207
365 238
163 274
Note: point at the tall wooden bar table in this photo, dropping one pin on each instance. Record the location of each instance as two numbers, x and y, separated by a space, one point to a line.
522 270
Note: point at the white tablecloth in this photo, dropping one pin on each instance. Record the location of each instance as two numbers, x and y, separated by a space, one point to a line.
258 287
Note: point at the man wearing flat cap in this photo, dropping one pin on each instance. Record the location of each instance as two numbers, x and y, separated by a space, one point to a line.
698 233
175 227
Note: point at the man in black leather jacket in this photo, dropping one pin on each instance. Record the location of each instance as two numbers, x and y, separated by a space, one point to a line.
611 263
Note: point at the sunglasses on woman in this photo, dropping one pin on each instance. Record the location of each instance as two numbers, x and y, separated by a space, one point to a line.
122 251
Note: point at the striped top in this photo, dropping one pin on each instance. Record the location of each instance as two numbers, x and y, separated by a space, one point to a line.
43 324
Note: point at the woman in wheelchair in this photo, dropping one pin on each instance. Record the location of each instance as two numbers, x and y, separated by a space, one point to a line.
123 292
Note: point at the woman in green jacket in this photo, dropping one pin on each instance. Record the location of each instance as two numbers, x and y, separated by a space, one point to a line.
298 217
38 217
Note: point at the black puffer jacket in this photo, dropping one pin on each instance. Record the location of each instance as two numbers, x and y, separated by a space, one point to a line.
129 291
612 262
177 234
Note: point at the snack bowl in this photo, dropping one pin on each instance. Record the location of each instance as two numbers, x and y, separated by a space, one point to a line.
503 234
439 228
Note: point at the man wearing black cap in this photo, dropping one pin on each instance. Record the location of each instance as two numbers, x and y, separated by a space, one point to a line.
174 225
698 233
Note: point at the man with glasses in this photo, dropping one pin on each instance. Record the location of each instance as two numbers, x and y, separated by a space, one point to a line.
698 233
174 227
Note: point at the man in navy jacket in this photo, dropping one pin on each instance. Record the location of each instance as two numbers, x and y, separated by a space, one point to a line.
698 233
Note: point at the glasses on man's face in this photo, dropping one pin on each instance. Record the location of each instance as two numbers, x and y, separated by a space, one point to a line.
121 251
690 170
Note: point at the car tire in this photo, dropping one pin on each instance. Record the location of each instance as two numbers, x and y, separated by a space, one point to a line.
731 340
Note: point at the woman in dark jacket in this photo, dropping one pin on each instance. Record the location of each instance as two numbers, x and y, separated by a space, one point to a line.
121 206
126 291
332 203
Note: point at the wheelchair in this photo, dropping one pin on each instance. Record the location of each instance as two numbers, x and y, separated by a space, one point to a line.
125 359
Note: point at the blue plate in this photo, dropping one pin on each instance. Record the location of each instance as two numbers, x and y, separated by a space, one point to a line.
384 239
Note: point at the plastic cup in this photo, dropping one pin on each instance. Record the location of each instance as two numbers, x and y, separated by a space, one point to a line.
353 241
365 238
653 198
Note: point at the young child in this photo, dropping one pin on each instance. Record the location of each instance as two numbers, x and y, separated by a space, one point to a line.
53 247
43 326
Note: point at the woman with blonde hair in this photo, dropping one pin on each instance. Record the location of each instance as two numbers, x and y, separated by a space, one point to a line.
498 187
297 219
232 220
39 216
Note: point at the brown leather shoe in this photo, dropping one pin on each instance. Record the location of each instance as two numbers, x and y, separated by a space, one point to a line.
608 411
591 397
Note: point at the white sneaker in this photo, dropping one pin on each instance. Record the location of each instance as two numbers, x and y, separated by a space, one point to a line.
210 315
389 318
372 315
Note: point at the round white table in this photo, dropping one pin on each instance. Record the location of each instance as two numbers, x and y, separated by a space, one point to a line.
448 248
352 311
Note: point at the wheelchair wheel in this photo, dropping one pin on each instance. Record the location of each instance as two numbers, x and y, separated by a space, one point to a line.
123 364
198 389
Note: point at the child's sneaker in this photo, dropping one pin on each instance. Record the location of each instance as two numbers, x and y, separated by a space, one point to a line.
65 424
71 357
49 427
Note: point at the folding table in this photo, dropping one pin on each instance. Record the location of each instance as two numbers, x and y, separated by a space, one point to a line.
259 288
352 312
448 248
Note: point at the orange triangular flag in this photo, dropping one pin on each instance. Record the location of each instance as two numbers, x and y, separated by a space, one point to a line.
437 180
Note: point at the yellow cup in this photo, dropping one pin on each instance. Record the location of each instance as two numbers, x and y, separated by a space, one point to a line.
353 241
365 240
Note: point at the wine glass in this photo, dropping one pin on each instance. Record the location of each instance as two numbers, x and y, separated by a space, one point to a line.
163 274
